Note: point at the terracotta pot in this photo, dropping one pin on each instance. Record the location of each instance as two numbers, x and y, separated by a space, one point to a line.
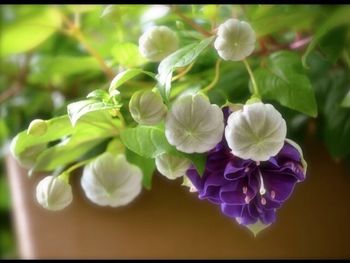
171 223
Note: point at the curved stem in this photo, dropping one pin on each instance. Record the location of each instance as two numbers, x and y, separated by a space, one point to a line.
255 86
183 72
216 78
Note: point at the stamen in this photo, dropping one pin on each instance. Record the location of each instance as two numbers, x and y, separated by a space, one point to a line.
257 163
245 190
263 201
247 199
262 189
247 169
273 194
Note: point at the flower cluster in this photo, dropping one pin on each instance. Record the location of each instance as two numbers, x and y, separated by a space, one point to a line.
250 168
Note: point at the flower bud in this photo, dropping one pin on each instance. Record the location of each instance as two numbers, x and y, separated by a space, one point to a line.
193 124
235 40
147 107
37 127
158 42
53 193
111 181
256 132
172 166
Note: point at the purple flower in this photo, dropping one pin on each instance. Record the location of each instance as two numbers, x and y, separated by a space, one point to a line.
246 190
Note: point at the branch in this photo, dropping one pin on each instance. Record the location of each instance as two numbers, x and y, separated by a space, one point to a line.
190 22
18 84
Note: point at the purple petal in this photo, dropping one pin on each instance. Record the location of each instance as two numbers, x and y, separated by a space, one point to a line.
282 184
232 210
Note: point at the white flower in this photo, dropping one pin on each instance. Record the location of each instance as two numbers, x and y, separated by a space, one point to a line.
147 107
158 42
193 124
172 166
111 181
53 193
187 182
256 132
235 40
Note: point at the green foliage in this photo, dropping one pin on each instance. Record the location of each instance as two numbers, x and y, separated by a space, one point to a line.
283 80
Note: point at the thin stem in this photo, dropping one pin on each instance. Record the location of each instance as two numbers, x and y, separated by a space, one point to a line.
255 86
77 165
190 22
74 30
216 78
183 72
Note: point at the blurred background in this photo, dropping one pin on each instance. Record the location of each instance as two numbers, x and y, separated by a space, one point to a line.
52 55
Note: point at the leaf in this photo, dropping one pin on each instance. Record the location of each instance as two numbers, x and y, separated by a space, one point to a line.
178 59
29 32
126 75
147 166
257 227
147 141
346 101
199 160
333 43
337 18
127 54
283 80
5 203
98 94
57 128
91 130
78 109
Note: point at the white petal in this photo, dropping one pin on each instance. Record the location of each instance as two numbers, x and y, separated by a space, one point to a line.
53 193
172 166
256 132
111 180
193 124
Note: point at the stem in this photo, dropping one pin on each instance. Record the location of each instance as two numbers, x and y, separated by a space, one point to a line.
190 22
255 86
74 30
183 72
216 78
77 165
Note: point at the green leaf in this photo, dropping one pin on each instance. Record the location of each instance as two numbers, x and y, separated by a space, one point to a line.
5 203
337 18
57 128
29 32
178 59
126 75
257 227
78 109
333 43
128 55
147 165
346 101
147 141
91 130
99 94
283 80
199 160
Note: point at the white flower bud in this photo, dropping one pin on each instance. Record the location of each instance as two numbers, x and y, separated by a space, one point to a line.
53 193
193 124
37 127
187 182
111 180
235 40
147 107
256 132
158 42
172 166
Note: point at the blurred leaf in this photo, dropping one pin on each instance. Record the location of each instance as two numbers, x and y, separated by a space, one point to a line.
199 160
127 55
126 75
333 43
98 94
147 165
29 32
146 141
346 101
82 8
337 18
283 80
5 203
178 59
